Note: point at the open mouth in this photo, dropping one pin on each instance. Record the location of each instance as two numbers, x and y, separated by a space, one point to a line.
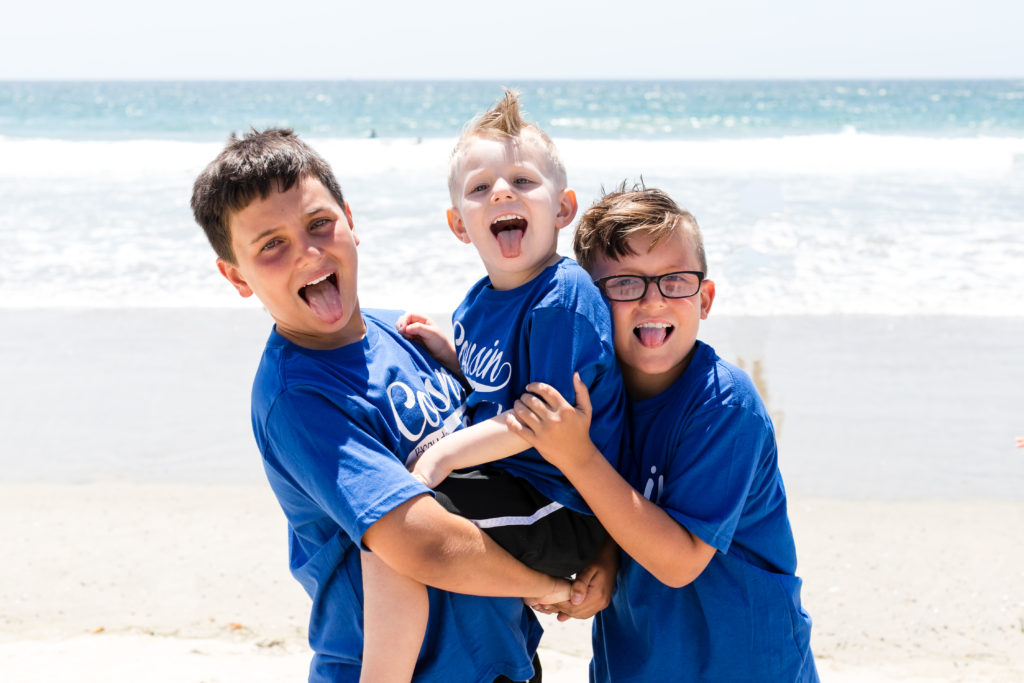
652 335
509 230
323 297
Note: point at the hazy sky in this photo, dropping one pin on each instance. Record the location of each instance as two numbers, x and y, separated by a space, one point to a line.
207 39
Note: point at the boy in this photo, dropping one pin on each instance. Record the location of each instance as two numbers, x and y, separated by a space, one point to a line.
335 427
707 589
535 317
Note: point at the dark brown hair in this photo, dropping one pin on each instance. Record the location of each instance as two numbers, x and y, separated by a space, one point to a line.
254 166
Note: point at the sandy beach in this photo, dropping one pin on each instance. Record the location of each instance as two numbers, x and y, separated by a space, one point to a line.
142 543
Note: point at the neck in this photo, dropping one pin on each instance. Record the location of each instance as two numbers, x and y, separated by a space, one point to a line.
641 386
505 280
353 331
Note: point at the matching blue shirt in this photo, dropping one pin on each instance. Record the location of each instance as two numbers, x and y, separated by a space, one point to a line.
335 429
542 331
704 451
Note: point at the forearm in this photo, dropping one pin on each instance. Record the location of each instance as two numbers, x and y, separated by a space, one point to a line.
643 530
426 543
481 443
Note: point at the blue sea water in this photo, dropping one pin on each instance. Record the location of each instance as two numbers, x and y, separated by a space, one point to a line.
815 197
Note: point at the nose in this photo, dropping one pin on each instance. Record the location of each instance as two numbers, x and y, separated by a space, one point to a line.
501 190
652 296
308 248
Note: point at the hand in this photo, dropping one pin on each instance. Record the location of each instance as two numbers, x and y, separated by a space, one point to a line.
558 430
560 593
592 589
428 334
429 468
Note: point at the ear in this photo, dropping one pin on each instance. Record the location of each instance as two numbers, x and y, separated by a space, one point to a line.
351 226
566 209
234 276
458 227
707 297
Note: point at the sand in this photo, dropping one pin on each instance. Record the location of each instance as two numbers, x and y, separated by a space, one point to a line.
141 543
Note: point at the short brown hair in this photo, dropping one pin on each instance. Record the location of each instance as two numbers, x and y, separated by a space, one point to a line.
256 165
605 228
503 120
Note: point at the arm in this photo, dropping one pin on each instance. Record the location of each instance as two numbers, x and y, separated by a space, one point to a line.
483 442
425 542
647 533
395 612
428 334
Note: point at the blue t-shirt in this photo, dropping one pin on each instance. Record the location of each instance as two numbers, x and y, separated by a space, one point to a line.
704 451
335 429
542 331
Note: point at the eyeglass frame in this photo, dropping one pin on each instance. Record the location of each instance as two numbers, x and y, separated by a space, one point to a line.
656 279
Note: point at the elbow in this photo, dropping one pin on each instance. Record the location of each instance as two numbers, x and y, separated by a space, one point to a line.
676 572
676 577
428 562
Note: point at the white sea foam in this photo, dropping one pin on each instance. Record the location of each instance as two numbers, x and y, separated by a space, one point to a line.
846 223
847 152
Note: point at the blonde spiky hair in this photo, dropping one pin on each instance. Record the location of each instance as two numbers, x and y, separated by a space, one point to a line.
503 120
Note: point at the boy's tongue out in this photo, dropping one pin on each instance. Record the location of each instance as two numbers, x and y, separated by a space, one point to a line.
653 335
324 298
509 231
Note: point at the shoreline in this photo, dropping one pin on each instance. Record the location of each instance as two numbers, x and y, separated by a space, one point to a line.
901 408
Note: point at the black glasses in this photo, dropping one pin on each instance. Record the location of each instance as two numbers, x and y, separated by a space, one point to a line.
677 285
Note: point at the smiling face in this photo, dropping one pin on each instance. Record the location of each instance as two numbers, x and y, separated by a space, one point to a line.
510 203
655 336
296 251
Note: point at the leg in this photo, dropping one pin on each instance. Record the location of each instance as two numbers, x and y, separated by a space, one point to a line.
395 611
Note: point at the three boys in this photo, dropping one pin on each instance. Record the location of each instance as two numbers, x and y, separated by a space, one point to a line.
707 589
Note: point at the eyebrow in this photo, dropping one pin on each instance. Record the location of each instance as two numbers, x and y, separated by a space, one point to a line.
263 235
270 231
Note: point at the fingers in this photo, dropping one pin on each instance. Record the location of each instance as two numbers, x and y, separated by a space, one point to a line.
545 395
582 394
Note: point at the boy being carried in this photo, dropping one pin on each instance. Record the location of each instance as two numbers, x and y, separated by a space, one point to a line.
535 317
707 589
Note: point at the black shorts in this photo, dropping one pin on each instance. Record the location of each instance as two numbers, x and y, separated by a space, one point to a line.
538 532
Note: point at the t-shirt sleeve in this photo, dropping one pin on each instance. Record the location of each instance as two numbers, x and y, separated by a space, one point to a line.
563 342
339 458
709 477
560 343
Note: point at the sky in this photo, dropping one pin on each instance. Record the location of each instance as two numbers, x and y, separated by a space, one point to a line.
444 39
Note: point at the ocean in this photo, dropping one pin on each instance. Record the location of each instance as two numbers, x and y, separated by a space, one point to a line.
816 197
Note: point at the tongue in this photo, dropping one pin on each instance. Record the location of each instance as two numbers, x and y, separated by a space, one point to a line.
653 336
325 300
510 242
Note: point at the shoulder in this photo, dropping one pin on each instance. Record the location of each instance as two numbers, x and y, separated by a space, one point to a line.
567 286
729 384
711 389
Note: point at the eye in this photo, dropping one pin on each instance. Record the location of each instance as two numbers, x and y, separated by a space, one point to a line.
270 244
479 188
320 223
625 282
523 181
